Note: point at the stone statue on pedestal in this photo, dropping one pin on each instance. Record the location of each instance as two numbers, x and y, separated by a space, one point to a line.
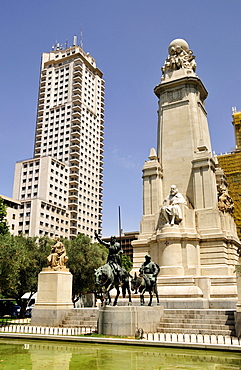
171 210
54 297
192 235
57 258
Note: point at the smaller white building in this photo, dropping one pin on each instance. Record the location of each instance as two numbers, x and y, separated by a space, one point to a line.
13 208
44 197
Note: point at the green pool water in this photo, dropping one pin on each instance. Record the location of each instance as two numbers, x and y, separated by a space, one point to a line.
43 355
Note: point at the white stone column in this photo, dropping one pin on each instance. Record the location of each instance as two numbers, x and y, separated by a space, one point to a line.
152 184
204 182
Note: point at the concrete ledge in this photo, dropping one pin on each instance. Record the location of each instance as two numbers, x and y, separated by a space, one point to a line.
190 303
124 320
120 341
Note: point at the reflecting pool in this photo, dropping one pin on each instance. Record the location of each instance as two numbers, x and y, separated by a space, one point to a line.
44 355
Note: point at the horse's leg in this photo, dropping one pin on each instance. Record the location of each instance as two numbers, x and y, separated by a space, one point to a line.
150 302
157 297
126 287
102 299
123 287
108 299
117 295
129 294
105 294
142 292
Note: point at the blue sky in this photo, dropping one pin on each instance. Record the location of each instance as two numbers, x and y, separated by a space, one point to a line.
129 40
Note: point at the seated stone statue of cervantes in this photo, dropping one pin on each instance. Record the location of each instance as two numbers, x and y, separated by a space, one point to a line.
171 211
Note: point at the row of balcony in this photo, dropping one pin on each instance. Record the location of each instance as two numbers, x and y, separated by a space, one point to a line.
77 85
76 120
73 182
74 148
76 99
76 125
77 66
77 91
77 78
77 73
74 161
76 114
43 82
76 107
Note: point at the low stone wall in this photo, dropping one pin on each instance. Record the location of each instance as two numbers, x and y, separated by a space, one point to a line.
127 320
48 316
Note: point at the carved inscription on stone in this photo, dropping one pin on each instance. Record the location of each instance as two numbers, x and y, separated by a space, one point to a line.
174 95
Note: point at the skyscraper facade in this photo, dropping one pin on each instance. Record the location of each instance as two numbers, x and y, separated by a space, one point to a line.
60 189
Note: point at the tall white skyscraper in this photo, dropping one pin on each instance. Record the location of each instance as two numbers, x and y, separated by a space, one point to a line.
60 189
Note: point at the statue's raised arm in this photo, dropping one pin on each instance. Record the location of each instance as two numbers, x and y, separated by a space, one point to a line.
106 244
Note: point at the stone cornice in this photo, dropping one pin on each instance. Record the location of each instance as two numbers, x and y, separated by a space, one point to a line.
194 81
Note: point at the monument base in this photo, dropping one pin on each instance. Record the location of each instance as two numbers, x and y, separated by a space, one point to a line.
186 303
48 317
237 317
53 298
238 305
217 287
125 321
198 303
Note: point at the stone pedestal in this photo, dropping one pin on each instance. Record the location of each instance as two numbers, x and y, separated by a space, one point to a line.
125 321
53 298
238 305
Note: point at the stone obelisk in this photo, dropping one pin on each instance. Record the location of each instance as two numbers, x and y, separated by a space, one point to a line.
194 240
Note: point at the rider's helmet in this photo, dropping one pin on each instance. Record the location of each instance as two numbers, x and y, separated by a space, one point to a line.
148 257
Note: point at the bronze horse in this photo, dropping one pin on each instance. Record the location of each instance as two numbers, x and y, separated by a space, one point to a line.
104 277
138 283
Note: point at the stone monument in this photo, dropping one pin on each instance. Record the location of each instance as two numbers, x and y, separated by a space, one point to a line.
54 289
238 305
188 230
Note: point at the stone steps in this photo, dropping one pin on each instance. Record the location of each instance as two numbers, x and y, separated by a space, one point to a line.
197 326
81 318
199 321
77 323
197 331
85 318
200 312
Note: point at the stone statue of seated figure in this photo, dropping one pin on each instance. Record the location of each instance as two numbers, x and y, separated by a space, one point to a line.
57 258
171 211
